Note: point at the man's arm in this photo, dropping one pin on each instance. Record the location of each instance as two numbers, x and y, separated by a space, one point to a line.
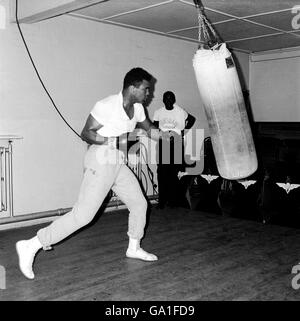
151 129
156 123
89 133
190 121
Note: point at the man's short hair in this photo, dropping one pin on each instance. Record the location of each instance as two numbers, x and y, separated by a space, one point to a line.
135 77
170 94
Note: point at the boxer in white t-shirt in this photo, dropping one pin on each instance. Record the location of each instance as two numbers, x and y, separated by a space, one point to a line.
104 169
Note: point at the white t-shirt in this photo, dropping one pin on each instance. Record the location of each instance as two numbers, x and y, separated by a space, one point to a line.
110 113
171 119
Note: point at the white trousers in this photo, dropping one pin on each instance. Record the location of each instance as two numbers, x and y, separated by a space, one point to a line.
104 169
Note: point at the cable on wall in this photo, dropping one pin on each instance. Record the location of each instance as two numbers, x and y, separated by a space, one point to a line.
150 173
38 75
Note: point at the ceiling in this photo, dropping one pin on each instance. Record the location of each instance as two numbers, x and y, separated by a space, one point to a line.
245 25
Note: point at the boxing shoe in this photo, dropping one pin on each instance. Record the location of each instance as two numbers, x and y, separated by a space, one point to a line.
134 251
26 250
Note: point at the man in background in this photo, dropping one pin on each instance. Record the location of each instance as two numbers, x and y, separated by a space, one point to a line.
171 120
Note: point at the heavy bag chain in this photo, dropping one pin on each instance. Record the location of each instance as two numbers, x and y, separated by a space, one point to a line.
205 28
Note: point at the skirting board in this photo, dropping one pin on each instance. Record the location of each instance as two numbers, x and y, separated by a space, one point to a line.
42 220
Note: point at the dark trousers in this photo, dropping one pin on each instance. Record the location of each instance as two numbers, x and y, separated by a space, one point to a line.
170 189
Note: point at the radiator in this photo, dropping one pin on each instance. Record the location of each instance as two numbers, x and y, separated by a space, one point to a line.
6 179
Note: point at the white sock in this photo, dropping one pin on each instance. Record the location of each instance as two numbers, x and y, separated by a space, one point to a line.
27 250
133 244
134 251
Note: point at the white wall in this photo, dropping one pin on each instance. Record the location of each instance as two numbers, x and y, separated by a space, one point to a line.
275 86
80 62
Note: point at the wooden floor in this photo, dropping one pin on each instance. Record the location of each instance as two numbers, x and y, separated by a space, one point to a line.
202 256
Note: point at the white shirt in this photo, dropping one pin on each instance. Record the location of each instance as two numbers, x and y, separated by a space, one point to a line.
171 119
110 113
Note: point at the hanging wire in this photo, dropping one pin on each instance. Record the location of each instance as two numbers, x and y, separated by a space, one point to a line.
149 171
38 74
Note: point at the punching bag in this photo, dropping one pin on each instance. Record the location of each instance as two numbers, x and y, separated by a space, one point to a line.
224 106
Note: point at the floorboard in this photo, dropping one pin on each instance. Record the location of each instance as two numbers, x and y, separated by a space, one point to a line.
202 256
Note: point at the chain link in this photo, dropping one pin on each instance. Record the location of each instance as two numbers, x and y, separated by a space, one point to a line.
204 27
